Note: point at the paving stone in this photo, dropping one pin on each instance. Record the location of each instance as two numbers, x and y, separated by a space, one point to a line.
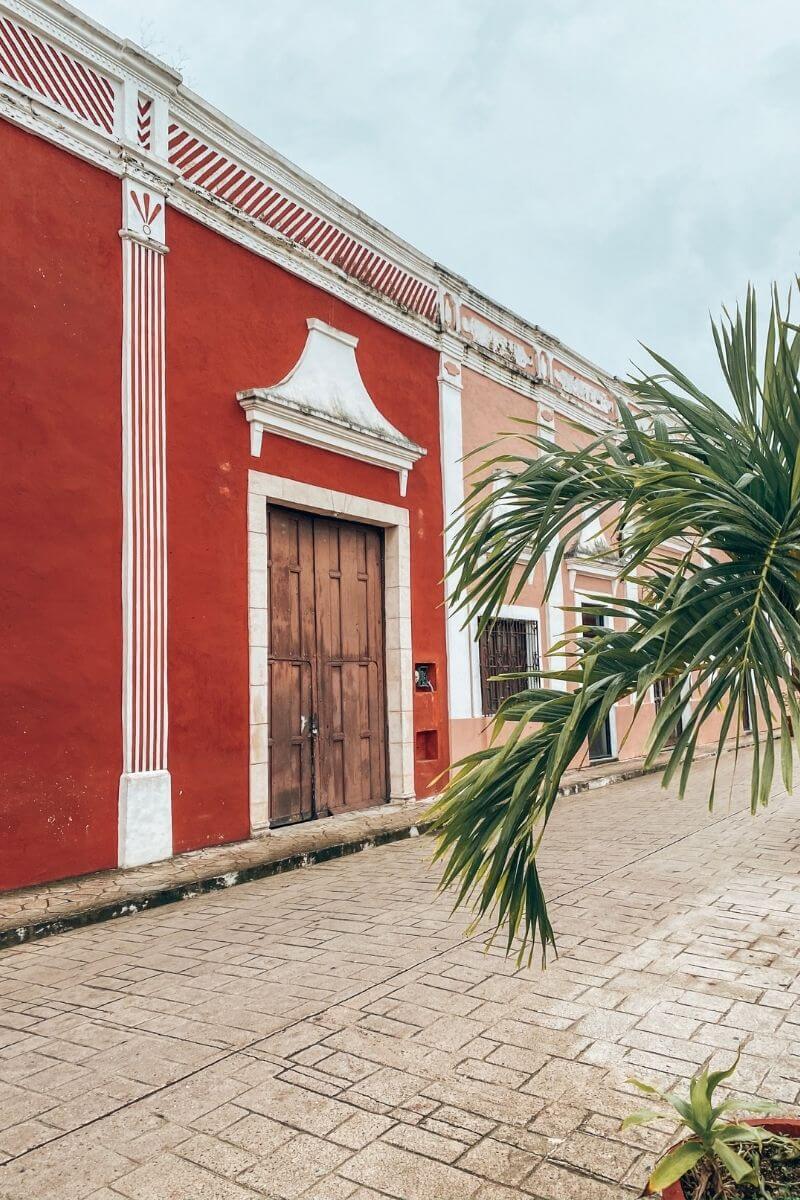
407 1176
295 1107
260 1135
499 1162
171 1178
423 1141
332 1034
451 1032
551 1182
390 1086
216 1155
360 1129
293 1168
598 1155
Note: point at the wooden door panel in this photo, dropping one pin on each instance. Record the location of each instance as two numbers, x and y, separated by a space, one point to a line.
350 794
374 744
327 660
291 764
292 666
352 741
291 585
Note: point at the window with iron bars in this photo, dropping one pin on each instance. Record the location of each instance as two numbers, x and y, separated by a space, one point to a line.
506 647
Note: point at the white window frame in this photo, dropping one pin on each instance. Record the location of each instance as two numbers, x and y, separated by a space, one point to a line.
516 612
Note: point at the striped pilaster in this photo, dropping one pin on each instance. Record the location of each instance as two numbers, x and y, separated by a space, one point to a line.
145 818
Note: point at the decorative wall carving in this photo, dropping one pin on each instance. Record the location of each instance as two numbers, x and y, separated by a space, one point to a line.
221 176
144 121
40 67
581 388
323 402
492 338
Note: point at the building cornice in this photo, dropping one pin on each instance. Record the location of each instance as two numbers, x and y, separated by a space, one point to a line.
208 166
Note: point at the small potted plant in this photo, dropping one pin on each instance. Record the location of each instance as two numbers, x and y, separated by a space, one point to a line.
752 1158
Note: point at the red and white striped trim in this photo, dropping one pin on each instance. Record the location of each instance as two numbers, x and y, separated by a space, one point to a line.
222 177
27 59
144 510
144 121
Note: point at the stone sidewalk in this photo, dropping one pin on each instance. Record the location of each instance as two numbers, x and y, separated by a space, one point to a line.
333 1034
50 908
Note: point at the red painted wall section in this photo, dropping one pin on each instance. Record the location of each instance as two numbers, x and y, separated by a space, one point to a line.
60 536
235 321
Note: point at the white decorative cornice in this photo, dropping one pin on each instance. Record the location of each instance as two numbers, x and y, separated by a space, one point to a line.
323 402
142 115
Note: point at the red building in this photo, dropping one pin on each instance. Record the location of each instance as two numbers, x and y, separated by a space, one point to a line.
163 272
232 438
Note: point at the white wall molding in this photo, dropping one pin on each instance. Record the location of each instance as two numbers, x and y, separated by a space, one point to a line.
555 603
230 164
361 262
394 520
583 565
145 801
323 402
463 661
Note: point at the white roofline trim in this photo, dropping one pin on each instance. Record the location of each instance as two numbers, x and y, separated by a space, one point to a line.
425 305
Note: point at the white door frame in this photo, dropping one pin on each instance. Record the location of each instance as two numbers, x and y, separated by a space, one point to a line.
263 488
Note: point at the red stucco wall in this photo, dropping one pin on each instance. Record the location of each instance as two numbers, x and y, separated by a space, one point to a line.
60 608
233 320
236 321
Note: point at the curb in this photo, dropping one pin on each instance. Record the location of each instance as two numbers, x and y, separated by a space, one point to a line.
18 935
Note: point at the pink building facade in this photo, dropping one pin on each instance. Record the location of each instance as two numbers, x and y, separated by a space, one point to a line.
499 370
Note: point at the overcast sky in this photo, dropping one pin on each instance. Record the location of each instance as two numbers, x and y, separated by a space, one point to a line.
611 169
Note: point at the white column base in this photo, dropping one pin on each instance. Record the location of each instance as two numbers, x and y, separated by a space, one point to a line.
145 817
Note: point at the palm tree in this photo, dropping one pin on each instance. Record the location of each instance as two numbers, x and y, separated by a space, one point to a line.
703 506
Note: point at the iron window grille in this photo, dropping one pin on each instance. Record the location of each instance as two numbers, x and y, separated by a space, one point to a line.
508 647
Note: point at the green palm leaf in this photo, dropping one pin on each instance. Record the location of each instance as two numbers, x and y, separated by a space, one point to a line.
703 507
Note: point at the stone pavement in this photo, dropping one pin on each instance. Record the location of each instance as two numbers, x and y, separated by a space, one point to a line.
333 1034
72 903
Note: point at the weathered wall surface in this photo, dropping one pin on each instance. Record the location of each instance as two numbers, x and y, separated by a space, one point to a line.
233 320
60 536
236 321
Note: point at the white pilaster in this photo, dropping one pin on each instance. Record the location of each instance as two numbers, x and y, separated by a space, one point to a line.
463 667
145 800
555 604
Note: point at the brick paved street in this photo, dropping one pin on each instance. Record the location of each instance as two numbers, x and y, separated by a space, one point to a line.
332 1033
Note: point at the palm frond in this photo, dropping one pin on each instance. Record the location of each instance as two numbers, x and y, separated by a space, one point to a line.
702 506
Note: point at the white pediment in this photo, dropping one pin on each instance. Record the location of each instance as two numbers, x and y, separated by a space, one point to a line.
323 402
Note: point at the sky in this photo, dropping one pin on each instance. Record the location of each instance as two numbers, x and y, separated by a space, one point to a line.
613 170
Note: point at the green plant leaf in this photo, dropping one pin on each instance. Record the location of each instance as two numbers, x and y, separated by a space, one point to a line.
699 1101
645 1087
674 1165
644 1117
742 1133
717 1077
737 1166
740 1104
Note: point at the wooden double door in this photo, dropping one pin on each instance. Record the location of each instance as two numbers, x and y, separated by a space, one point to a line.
327 687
